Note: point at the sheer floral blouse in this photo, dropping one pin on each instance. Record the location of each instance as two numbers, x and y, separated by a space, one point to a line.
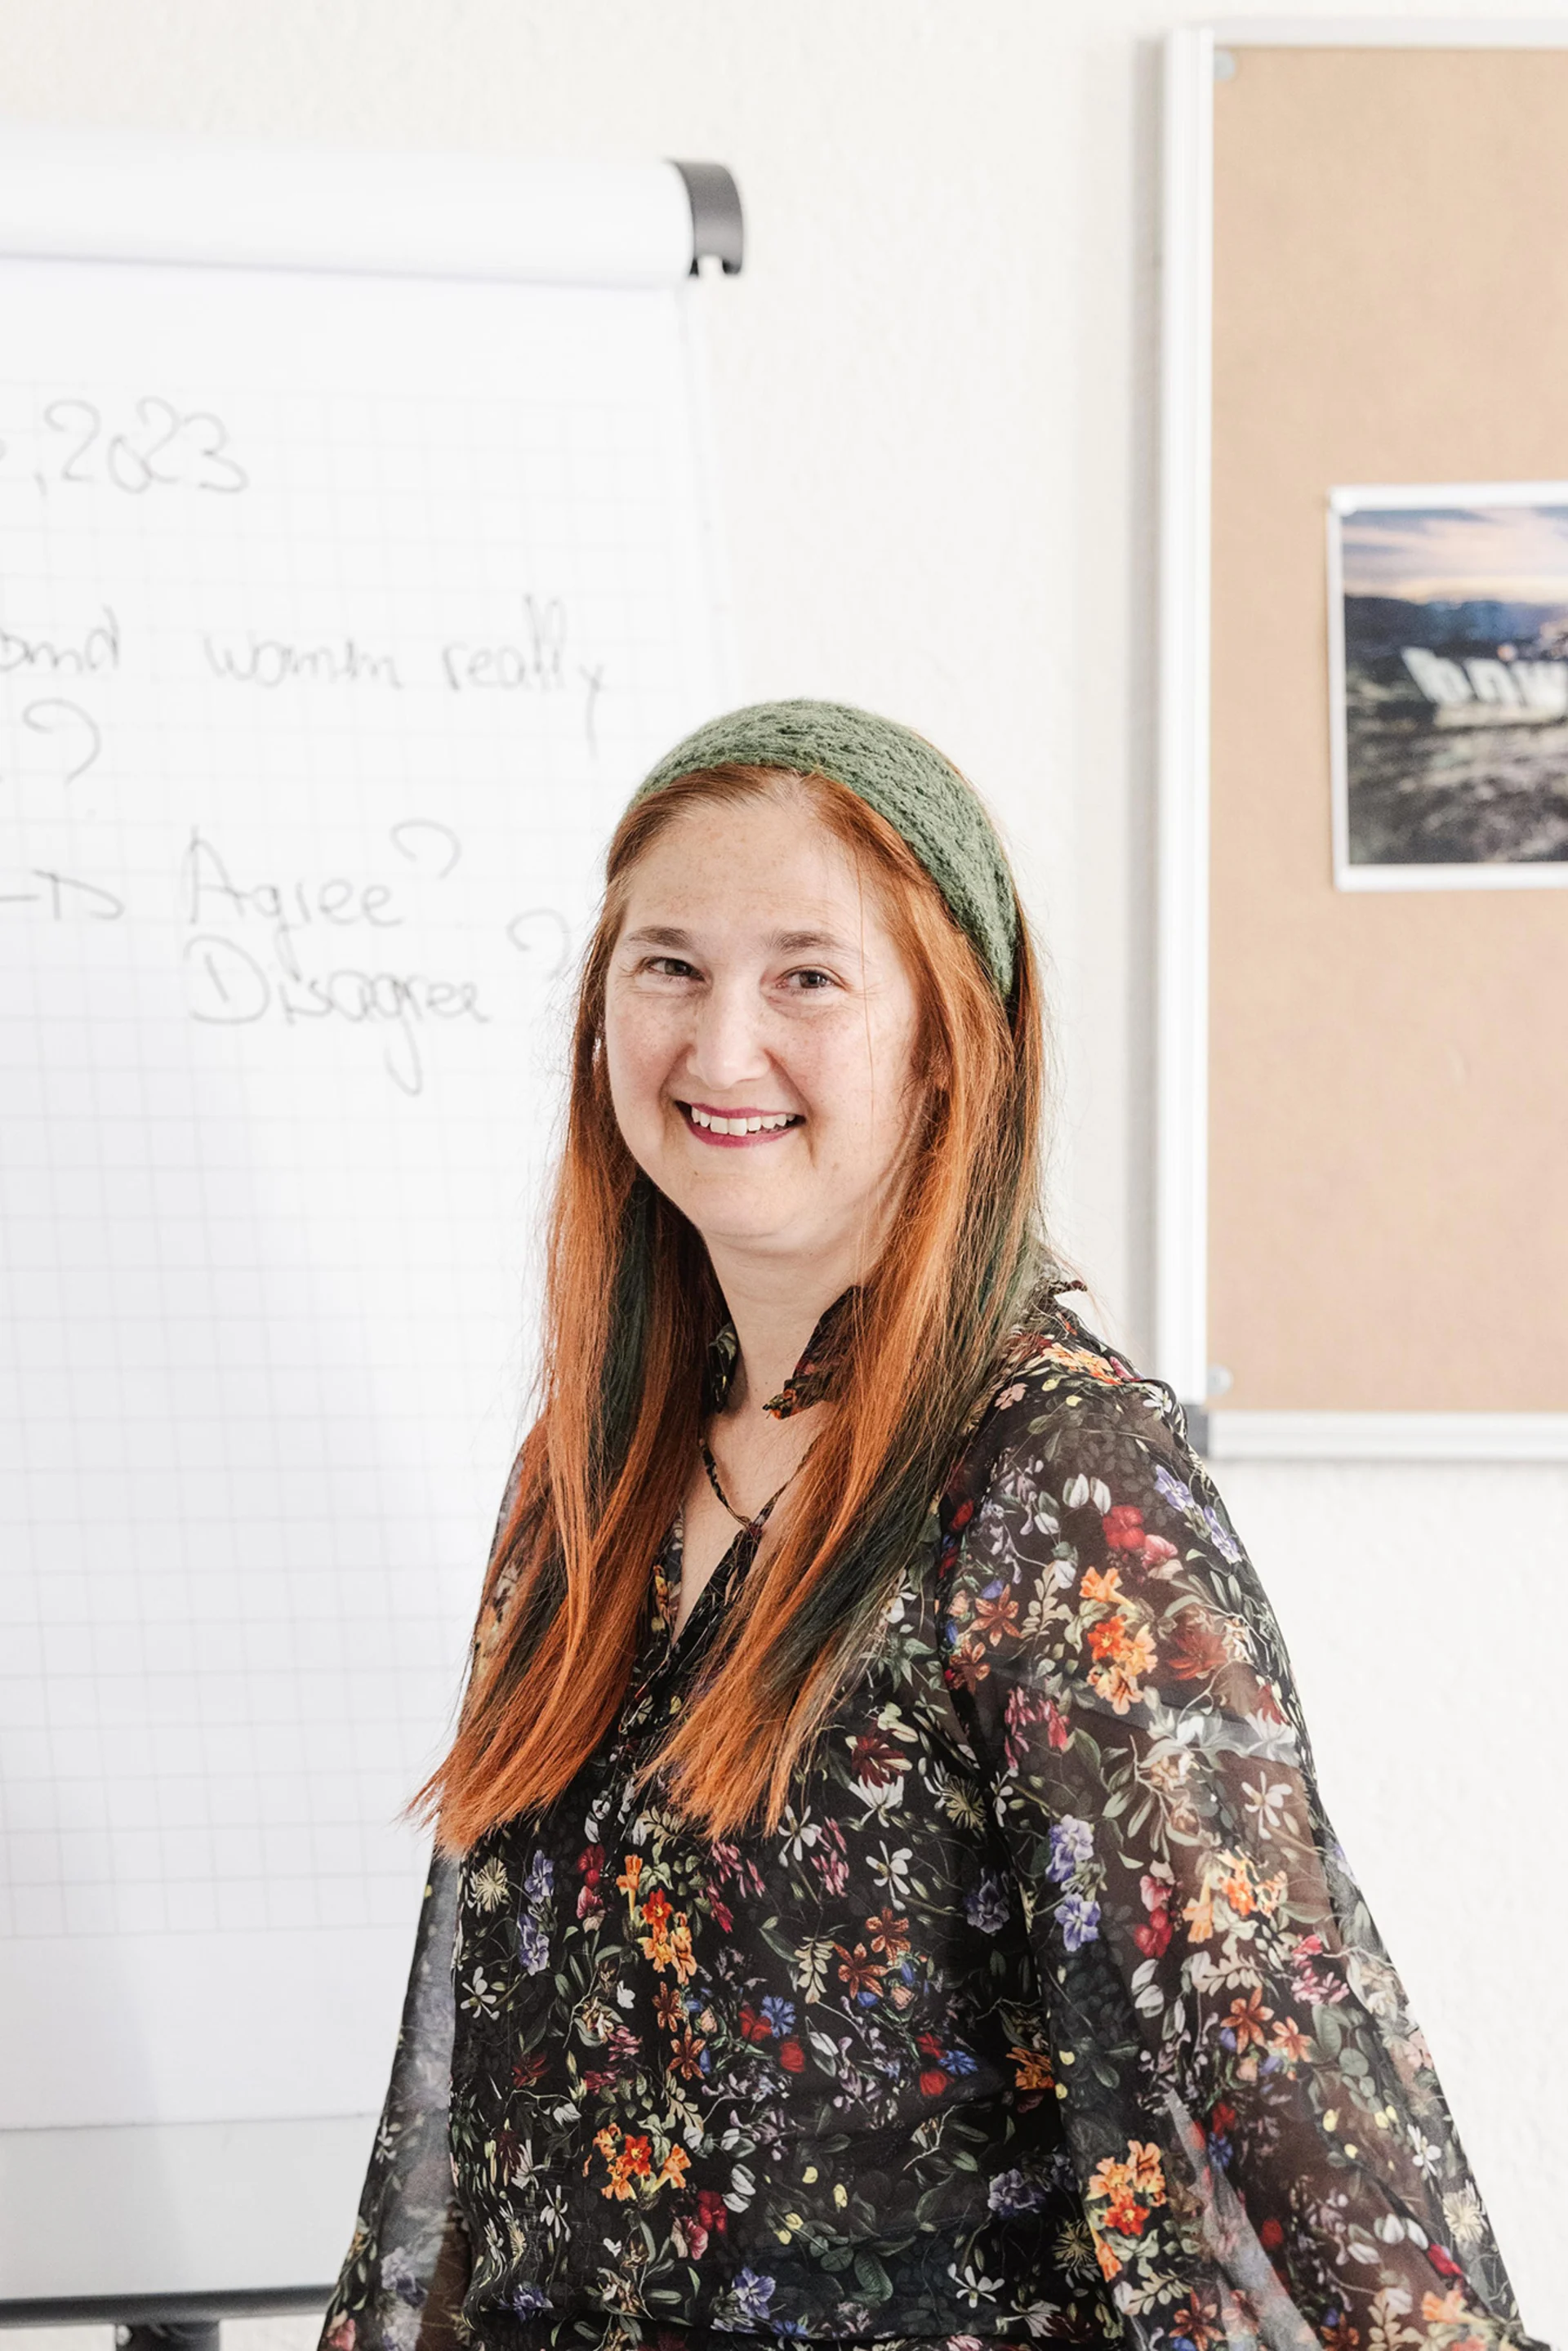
1051 2009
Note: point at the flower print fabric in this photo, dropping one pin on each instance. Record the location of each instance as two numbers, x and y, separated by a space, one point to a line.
1050 2011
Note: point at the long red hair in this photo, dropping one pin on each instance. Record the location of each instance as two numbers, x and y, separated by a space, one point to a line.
631 1303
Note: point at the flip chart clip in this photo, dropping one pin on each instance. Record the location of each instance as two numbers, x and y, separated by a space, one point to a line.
718 227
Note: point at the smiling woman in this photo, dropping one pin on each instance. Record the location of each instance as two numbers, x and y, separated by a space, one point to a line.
771 1101
881 1891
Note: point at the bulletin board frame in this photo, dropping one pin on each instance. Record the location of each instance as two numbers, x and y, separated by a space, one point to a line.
1195 56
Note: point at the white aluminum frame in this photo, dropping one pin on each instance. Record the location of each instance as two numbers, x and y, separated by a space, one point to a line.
1181 1111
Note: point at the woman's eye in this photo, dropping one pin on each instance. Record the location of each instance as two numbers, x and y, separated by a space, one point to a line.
825 978
666 966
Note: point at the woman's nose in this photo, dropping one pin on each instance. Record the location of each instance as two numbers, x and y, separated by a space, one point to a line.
727 1044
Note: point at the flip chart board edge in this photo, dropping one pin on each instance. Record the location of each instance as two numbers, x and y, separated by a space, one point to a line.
183 2307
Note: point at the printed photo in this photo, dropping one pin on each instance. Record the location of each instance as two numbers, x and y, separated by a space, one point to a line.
1448 635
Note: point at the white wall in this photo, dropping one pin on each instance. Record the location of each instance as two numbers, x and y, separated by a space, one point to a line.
935 396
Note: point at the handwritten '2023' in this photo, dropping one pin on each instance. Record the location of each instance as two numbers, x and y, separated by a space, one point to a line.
156 446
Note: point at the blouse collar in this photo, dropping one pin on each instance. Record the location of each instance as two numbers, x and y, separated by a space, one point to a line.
813 1377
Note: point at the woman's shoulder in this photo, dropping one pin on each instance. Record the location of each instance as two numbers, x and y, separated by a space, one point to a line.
1055 1387
1079 1517
1066 1421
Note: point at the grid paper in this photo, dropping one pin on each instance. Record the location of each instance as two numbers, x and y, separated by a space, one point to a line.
337 619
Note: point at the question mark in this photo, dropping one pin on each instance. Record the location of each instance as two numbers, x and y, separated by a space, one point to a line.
51 718
416 851
545 916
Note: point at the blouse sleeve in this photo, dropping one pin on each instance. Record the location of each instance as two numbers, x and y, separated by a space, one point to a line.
402 2281
407 2268
1261 2144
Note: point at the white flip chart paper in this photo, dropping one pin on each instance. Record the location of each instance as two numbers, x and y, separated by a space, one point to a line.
338 616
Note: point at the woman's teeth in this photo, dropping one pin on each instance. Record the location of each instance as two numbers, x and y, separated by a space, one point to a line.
753 1125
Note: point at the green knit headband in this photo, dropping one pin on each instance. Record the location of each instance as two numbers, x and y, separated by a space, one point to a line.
895 771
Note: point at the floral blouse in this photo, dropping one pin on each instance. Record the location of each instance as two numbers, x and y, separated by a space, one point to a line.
1051 2009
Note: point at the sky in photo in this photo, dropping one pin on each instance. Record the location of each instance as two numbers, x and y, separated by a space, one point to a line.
1519 552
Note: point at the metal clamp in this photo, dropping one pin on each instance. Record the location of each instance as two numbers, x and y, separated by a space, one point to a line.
718 225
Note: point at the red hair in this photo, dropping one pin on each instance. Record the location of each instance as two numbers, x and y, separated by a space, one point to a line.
631 1303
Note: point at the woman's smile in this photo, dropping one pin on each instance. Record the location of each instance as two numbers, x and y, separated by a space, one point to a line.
757 992
733 1129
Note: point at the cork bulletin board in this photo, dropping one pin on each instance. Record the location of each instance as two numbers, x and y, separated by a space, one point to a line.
1364 1121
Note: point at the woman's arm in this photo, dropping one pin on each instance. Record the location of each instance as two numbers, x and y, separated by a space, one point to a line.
402 2282
1262 2146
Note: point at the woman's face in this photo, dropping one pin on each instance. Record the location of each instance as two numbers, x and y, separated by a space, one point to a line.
754 979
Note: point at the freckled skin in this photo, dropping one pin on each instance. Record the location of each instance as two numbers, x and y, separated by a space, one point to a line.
730 1020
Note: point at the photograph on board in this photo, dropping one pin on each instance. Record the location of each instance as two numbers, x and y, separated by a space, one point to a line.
1448 642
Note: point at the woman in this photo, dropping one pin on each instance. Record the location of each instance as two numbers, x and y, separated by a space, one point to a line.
881 1891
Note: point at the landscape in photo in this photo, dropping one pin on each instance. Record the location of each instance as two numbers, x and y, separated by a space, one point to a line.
1456 668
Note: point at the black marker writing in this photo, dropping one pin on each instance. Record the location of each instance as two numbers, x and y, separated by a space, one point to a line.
594 680
273 662
535 662
207 888
168 450
97 648
227 984
423 841
65 895
541 929
62 721
229 987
